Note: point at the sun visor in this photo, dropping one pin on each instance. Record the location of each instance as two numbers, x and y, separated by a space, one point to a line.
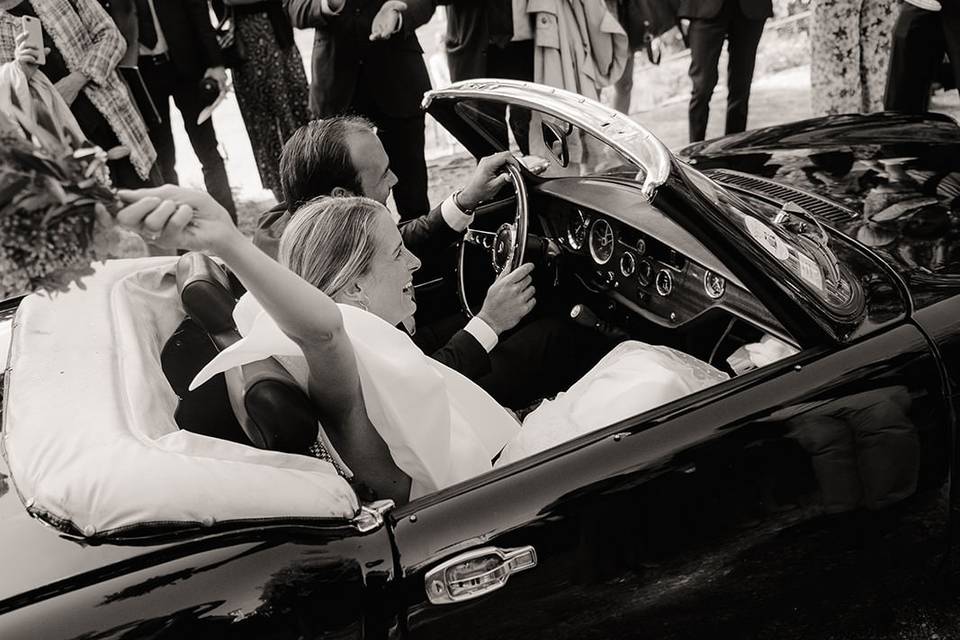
89 433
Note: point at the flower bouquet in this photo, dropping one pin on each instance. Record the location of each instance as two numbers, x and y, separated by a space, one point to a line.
55 199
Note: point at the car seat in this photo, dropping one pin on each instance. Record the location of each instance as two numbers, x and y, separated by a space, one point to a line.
269 410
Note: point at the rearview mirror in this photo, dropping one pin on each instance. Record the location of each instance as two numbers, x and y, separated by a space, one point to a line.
556 142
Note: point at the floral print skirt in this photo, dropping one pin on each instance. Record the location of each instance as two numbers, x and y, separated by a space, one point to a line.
272 93
850 42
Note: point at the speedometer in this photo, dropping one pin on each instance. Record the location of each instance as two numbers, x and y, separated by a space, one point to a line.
577 230
602 241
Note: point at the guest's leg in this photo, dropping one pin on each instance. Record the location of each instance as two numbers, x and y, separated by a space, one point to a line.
917 48
514 62
951 34
706 41
403 140
160 80
203 137
623 88
743 39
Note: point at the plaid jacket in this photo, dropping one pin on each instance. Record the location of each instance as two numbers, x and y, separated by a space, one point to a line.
91 44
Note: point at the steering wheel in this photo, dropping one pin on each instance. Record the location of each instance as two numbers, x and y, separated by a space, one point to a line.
506 246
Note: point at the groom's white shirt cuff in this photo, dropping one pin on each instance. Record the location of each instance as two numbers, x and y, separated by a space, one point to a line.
454 217
480 330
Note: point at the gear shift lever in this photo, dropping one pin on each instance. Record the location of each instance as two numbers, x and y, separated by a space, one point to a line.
584 316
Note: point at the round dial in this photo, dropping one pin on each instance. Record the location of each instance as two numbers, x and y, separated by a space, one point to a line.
641 246
577 230
714 284
628 264
601 241
644 271
664 282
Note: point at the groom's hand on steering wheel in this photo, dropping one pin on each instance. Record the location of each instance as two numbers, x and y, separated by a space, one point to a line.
487 180
509 299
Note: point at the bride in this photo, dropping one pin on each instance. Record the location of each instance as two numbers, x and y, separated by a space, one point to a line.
404 424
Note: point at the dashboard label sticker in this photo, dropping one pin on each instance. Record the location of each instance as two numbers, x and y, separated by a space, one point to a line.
767 238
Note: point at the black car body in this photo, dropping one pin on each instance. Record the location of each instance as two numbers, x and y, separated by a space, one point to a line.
806 498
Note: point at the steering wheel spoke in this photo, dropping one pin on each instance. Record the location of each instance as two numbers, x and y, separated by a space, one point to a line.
482 239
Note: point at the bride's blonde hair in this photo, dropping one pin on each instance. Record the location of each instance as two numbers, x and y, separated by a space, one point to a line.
328 242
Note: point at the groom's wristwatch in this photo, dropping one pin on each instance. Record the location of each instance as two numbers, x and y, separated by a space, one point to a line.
465 210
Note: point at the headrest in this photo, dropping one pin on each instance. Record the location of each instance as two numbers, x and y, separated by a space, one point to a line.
103 455
206 296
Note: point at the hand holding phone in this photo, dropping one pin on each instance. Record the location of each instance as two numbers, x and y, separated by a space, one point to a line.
32 45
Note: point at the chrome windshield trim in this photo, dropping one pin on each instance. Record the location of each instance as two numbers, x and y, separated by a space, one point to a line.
628 137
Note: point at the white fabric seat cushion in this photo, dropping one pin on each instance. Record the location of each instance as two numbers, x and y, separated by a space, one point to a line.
89 433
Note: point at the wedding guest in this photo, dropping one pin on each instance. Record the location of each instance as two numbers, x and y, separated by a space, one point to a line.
271 84
849 54
925 30
83 49
367 61
740 23
178 49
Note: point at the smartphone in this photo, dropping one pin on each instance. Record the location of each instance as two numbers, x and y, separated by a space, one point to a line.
31 26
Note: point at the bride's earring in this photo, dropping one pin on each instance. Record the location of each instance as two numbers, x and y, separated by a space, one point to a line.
363 303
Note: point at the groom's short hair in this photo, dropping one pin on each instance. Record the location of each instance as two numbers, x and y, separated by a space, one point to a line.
316 159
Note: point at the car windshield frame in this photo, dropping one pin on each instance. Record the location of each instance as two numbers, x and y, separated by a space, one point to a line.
621 134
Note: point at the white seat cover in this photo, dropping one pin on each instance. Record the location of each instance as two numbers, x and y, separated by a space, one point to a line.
89 433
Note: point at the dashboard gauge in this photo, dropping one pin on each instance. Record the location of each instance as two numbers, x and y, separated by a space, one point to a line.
601 241
644 271
577 230
664 282
641 246
714 284
628 264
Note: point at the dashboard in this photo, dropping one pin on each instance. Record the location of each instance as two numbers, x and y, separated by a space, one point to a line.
647 275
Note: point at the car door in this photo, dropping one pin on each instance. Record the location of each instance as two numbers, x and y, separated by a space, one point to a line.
771 505
274 580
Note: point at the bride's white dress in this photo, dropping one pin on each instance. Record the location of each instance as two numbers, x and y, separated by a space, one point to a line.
442 428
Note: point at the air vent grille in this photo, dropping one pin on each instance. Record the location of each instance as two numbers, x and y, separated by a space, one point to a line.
821 207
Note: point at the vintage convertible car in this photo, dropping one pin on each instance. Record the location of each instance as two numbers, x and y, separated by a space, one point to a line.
807 496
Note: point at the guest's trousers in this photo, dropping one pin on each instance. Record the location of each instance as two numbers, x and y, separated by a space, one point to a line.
706 38
920 39
403 140
163 82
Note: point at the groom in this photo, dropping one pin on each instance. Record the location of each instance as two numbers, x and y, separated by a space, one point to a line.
342 156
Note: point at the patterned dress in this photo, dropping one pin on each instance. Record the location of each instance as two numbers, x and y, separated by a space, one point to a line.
850 42
271 85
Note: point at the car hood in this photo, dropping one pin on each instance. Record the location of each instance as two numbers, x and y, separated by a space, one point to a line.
889 181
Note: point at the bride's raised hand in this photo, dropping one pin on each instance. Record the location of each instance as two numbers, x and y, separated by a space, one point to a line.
177 218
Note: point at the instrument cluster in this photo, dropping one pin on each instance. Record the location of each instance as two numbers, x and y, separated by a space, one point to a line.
653 276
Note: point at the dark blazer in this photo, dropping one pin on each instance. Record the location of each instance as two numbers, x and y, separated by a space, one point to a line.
752 9
392 71
425 236
465 355
190 37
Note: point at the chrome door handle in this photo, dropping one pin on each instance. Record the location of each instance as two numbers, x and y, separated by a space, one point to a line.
476 573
